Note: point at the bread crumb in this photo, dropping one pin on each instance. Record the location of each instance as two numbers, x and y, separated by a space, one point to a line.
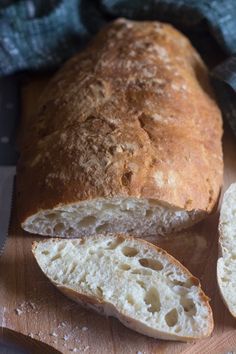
138 352
32 305
86 348
25 306
31 335
84 329
66 337
53 334
18 311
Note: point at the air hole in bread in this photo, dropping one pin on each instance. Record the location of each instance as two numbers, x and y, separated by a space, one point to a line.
130 299
141 271
60 247
188 306
100 253
151 263
73 266
108 206
58 255
224 280
178 282
111 245
51 216
48 231
37 220
102 228
99 292
83 278
130 231
124 267
87 221
142 284
58 227
45 252
129 251
149 213
152 299
178 329
186 284
171 318
70 231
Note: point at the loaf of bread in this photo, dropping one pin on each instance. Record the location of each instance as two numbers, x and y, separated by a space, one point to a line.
126 138
226 264
144 287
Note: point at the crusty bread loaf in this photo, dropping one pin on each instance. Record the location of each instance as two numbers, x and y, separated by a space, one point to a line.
140 284
127 138
226 264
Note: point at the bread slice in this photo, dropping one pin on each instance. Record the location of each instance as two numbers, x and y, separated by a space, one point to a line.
226 264
143 286
140 216
126 139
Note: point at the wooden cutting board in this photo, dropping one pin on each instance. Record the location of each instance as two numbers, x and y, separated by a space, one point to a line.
30 305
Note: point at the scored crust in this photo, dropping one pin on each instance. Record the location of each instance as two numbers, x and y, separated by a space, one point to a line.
108 309
131 116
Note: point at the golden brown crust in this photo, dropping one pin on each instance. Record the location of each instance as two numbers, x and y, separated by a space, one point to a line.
132 115
104 308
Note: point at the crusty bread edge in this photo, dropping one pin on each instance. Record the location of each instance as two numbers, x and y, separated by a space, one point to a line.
108 309
220 290
220 259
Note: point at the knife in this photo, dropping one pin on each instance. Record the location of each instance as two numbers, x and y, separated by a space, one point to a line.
9 349
9 120
12 342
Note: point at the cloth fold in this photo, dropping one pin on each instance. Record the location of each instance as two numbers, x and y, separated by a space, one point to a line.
39 35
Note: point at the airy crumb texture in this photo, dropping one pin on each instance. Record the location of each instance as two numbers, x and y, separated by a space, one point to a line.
226 265
140 284
126 215
126 138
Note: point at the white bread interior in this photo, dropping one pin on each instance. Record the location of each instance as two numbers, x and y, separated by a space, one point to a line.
141 217
226 265
140 284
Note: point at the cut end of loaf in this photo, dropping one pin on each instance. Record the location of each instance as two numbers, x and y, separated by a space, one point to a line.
139 217
140 122
140 284
226 265
226 275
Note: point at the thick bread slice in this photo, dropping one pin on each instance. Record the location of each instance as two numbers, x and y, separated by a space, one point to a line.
126 138
226 264
140 284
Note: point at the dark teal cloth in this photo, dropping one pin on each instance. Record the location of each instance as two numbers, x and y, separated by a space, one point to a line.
41 34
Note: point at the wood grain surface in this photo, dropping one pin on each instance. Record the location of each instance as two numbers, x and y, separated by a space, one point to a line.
30 305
